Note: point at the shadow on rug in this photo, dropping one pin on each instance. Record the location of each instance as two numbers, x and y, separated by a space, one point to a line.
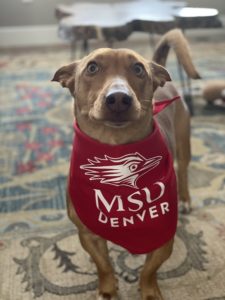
40 255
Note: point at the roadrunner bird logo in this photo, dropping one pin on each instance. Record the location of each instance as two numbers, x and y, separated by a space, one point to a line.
124 170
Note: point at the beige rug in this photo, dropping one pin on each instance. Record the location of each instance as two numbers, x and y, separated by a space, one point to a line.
49 262
40 256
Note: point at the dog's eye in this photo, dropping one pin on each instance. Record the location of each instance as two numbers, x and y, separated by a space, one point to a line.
139 69
92 68
133 167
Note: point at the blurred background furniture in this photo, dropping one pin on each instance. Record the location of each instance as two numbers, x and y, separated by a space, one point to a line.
116 21
193 18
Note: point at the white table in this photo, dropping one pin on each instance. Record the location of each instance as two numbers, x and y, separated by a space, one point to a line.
117 20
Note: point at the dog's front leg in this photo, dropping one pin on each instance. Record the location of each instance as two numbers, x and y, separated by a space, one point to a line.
183 154
98 250
148 280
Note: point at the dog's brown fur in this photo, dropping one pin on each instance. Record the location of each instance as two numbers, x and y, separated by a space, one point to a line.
213 90
175 39
121 127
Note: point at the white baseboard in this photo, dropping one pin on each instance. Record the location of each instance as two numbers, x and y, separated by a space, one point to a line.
29 36
22 36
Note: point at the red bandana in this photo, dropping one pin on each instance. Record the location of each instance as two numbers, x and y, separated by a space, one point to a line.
126 194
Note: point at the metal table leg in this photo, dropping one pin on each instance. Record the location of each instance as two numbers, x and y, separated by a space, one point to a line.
186 88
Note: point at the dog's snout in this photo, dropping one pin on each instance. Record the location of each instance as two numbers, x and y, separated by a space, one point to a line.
118 102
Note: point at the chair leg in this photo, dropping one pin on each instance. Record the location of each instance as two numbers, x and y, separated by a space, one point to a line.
152 41
110 43
72 50
186 88
85 47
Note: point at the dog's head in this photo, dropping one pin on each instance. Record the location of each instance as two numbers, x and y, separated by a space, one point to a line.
112 86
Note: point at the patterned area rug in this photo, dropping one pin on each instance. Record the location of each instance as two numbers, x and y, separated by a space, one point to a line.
40 255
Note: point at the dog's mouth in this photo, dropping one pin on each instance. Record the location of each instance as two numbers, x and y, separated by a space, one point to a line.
115 120
117 124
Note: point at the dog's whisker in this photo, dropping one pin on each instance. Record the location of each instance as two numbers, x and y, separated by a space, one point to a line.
145 107
146 103
85 112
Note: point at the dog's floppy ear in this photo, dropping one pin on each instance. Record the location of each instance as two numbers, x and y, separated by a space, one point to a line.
66 76
160 75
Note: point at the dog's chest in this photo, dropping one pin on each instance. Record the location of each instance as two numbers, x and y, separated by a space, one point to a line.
127 193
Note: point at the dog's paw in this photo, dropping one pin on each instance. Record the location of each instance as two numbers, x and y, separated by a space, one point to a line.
104 296
185 208
153 298
107 296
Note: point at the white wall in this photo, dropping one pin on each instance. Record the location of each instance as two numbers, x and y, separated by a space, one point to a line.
29 12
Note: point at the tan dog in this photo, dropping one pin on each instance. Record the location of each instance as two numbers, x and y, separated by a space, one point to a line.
214 91
114 91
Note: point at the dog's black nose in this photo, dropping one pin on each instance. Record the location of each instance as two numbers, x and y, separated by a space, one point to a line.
118 102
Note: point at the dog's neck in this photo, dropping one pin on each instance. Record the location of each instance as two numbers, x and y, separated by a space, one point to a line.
116 136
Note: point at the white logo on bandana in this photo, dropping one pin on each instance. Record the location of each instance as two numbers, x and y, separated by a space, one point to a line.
124 170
